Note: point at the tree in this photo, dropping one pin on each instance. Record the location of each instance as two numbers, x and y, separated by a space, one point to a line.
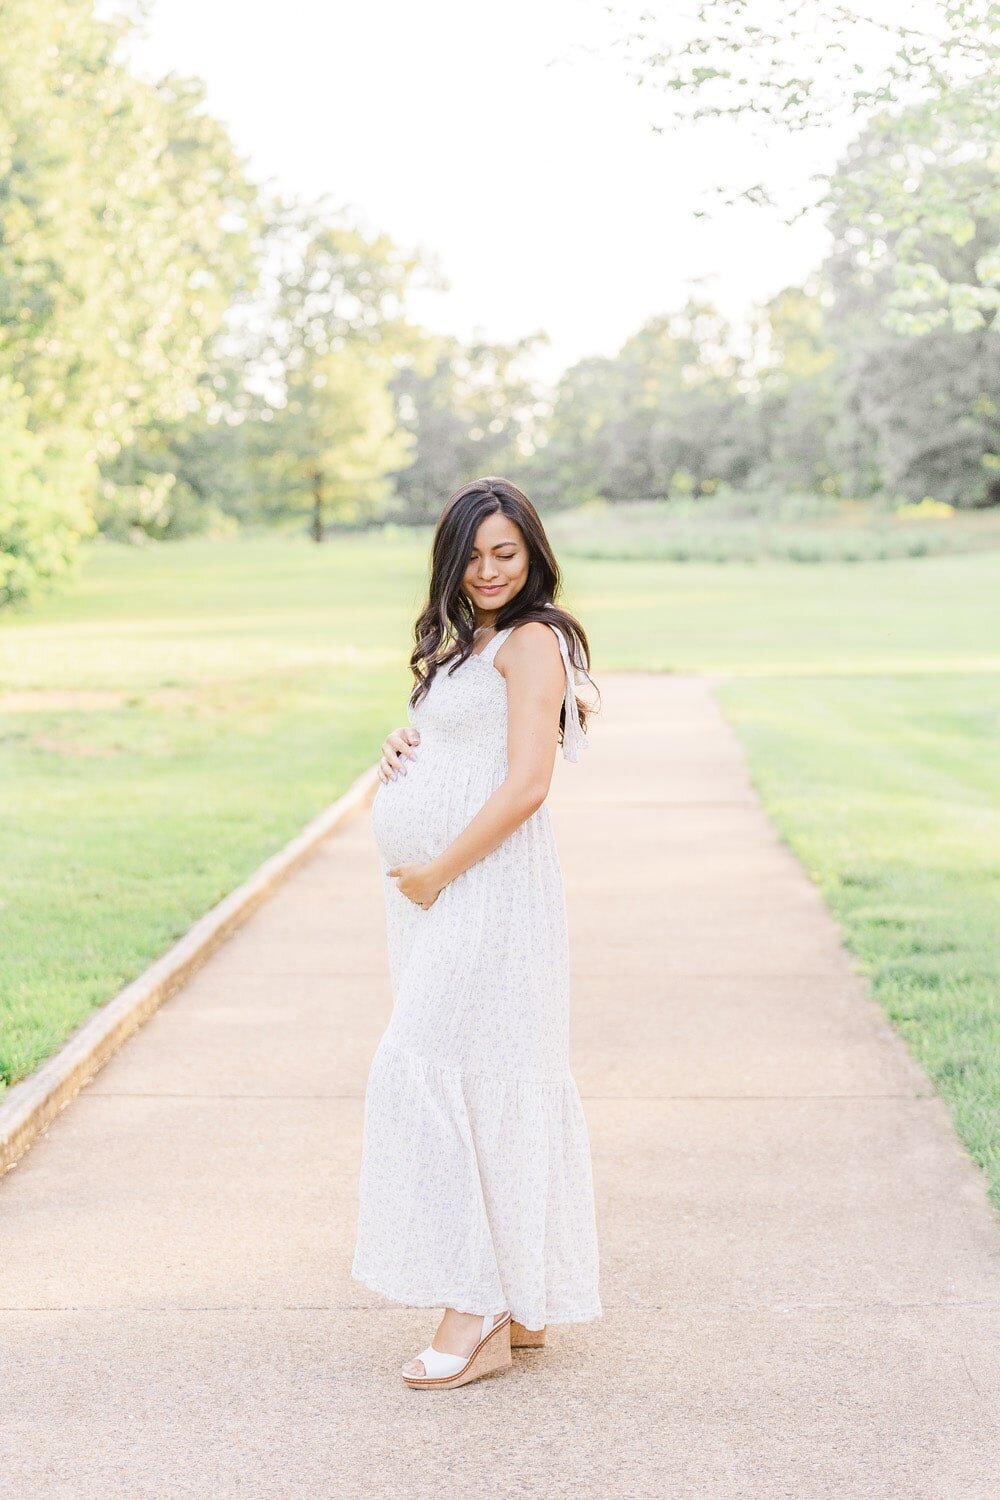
336 441
812 66
126 225
918 405
43 511
670 410
794 402
126 222
685 405
334 335
575 459
469 410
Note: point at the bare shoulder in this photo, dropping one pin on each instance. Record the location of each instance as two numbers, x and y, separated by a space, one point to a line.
533 636
531 645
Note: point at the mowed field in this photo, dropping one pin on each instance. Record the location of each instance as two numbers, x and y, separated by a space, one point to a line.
177 713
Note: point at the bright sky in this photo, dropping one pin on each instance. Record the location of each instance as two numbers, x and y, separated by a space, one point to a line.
495 140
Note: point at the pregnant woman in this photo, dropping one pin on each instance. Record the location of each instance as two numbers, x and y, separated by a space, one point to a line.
476 1191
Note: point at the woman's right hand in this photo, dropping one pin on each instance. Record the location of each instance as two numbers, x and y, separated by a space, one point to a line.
395 749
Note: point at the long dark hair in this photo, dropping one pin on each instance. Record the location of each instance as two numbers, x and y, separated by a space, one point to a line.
444 628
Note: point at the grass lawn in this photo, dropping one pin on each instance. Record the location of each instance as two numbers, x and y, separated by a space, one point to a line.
735 527
166 727
888 790
177 714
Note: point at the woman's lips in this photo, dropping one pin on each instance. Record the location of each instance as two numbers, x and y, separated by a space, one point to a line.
492 589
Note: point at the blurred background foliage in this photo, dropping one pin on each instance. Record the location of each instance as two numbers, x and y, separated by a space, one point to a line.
184 353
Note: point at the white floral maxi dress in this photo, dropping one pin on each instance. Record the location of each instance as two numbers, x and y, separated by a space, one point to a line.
476 1188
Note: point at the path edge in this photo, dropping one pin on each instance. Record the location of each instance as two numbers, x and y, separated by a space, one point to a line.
29 1106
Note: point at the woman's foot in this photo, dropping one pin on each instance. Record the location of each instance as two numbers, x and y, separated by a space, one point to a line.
457 1333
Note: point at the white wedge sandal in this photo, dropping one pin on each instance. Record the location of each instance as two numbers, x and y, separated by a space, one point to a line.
444 1370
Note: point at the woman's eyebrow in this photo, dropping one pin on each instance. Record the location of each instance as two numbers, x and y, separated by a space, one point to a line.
511 543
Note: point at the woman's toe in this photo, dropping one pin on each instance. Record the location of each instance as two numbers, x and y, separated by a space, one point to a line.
414 1367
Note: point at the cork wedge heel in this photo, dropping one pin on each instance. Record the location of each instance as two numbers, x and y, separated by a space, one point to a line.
526 1338
444 1370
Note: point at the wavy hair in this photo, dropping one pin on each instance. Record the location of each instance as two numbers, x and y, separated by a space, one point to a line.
443 632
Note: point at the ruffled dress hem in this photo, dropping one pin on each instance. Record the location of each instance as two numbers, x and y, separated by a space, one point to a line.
471 1302
511 1158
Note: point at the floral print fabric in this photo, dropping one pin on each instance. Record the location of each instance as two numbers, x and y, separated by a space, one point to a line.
476 1188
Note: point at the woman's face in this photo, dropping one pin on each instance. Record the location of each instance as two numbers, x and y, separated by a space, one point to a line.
498 567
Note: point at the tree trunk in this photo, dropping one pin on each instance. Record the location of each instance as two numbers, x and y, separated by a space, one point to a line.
317 515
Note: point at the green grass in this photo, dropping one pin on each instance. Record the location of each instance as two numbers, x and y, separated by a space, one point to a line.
253 683
182 710
746 527
888 790
928 615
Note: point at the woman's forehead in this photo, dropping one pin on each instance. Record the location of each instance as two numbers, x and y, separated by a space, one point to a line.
496 531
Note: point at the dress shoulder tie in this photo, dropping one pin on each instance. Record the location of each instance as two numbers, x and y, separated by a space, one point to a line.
574 735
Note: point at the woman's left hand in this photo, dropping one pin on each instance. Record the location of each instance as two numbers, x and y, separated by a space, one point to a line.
419 883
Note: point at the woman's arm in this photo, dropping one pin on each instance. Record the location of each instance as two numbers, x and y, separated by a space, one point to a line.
536 686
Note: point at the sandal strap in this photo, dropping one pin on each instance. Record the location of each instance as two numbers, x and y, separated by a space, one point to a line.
438 1363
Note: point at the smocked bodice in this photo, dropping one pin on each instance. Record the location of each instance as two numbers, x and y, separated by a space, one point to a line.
466 709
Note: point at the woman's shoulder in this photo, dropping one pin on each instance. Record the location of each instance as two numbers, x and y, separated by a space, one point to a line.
533 629
534 636
531 641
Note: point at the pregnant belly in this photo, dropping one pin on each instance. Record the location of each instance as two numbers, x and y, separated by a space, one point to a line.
407 818
416 816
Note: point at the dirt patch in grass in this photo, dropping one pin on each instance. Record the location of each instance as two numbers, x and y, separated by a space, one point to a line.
84 700
68 747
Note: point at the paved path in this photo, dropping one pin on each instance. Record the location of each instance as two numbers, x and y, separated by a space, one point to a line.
800 1270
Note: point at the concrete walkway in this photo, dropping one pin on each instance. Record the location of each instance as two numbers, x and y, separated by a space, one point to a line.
800 1270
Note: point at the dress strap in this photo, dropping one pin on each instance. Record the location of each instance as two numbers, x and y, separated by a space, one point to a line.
488 652
574 736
